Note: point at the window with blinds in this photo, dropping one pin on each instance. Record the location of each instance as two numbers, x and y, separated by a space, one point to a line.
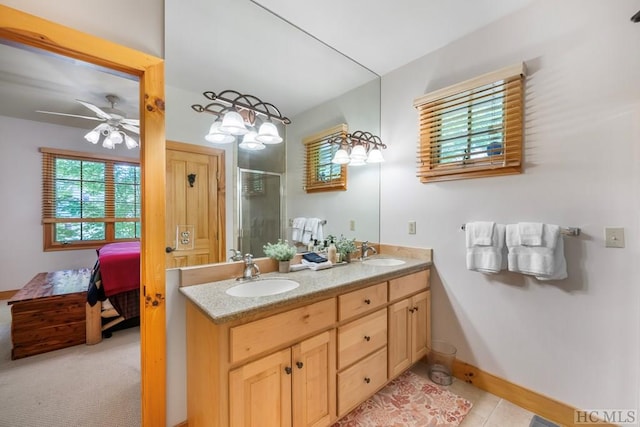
88 201
320 174
472 129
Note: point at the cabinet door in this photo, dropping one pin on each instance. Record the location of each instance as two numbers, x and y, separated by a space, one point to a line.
399 337
420 325
260 392
314 381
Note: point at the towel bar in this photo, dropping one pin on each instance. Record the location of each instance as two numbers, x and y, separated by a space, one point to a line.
567 231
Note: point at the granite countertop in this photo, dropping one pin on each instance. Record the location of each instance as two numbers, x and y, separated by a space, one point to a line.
221 307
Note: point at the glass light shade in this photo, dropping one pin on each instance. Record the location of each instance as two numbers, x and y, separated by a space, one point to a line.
115 137
217 135
130 142
268 134
249 142
93 136
233 123
341 157
357 162
108 143
358 153
375 156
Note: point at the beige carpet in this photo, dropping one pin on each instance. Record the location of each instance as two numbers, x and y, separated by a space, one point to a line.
79 386
409 401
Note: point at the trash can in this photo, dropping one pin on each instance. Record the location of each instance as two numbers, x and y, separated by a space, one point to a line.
440 362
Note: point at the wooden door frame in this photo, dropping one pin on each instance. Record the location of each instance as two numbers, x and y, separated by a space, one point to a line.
221 213
26 29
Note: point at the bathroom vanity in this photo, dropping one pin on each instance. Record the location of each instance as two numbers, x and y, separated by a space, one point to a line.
307 356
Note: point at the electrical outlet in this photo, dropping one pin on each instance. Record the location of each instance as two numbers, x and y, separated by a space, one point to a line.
412 227
614 237
352 225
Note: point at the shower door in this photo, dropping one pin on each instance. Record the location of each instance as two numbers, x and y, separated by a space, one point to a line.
260 210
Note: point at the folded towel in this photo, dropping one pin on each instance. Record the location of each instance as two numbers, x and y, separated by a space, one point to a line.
298 229
317 265
487 258
530 233
479 233
545 260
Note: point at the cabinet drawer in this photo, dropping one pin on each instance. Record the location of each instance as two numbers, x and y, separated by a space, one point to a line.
361 380
362 300
256 337
407 285
360 337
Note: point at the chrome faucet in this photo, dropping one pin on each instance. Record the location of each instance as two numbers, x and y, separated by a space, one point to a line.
251 270
236 255
365 248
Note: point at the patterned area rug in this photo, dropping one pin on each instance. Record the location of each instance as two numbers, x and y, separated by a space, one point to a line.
409 401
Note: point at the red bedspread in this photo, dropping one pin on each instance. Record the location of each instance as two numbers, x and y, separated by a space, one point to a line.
120 267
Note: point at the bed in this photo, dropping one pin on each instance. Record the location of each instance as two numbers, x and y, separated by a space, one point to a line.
114 289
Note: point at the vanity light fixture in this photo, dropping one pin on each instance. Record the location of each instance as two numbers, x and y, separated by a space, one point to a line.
111 137
357 148
237 115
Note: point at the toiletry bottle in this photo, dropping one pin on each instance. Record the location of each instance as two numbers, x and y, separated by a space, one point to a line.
310 246
332 253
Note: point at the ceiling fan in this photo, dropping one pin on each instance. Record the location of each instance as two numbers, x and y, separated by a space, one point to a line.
114 122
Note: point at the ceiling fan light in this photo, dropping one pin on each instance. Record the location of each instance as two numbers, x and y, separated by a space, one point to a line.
341 157
268 134
233 123
115 137
108 144
130 142
93 136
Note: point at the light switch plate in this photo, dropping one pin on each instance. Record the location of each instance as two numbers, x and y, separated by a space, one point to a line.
352 225
412 227
614 237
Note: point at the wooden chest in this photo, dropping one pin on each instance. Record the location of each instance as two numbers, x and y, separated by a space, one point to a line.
49 312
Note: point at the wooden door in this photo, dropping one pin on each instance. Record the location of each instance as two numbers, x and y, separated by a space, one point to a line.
195 211
420 325
314 387
260 392
399 337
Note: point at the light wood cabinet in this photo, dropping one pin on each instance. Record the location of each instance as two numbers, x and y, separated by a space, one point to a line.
409 331
292 385
309 365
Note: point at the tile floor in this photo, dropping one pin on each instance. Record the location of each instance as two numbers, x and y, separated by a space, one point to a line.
488 410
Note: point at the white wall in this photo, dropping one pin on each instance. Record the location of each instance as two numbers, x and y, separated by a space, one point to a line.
359 109
575 340
20 189
137 24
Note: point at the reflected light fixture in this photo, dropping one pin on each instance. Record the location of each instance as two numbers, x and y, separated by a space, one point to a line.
357 148
111 136
237 116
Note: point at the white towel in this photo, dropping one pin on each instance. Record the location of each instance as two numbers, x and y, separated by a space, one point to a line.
479 233
544 261
530 233
488 258
298 229
315 266
312 230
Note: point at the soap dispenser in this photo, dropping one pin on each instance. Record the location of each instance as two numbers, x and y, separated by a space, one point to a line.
332 253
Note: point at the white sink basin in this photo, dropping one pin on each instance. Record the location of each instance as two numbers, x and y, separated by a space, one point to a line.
262 288
383 262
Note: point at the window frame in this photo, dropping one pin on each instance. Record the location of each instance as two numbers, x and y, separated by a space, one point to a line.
49 221
313 145
432 106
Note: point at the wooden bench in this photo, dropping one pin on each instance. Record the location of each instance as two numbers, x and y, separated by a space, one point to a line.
49 312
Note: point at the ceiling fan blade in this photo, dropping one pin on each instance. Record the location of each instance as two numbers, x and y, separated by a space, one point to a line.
96 110
71 115
134 122
130 128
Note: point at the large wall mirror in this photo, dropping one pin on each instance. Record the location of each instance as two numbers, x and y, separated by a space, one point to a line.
240 45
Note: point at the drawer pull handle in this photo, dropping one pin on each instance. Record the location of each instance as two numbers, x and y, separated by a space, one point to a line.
288 370
367 301
367 380
299 365
415 308
367 338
